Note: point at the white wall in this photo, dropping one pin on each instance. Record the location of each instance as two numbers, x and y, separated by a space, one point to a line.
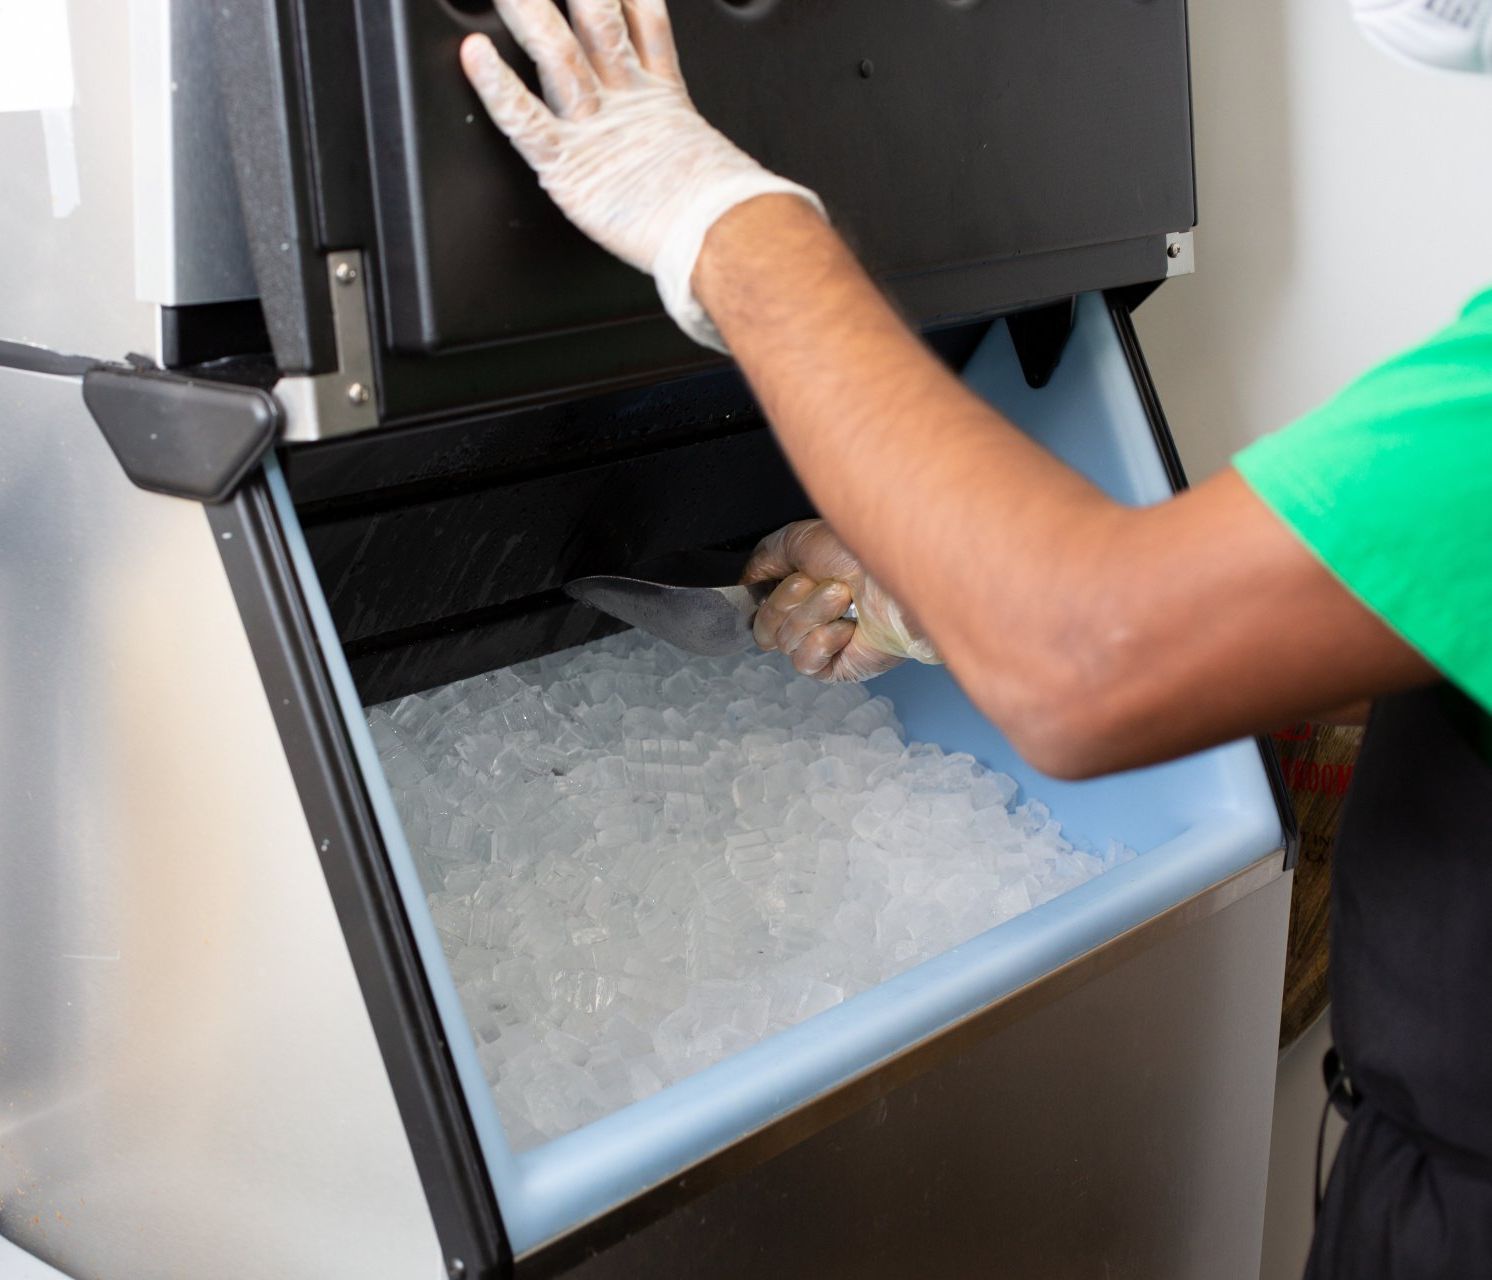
1346 212
1345 206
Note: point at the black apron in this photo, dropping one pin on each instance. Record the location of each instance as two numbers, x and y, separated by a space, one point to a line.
1410 1195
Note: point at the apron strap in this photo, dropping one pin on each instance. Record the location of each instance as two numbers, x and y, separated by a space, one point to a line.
1342 1095
1339 1094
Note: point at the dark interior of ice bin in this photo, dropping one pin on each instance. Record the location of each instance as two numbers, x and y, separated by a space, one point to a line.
442 550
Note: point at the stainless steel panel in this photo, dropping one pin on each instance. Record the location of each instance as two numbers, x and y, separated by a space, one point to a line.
70 279
190 241
1118 1130
143 144
189 1084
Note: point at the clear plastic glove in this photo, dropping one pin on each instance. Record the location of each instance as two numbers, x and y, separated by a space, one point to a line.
1449 35
804 615
616 142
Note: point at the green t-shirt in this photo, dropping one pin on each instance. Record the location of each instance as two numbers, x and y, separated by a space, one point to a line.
1390 484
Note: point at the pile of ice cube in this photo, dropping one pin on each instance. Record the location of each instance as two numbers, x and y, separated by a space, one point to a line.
641 861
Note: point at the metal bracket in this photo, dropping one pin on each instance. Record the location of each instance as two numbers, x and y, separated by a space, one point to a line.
1181 258
318 406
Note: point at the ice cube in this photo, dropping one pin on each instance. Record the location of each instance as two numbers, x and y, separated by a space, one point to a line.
748 789
780 781
867 717
684 687
643 1075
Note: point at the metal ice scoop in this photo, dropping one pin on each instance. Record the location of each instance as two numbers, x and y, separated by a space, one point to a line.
693 600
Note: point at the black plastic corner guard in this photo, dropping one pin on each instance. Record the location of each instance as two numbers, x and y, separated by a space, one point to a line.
1120 308
183 436
394 988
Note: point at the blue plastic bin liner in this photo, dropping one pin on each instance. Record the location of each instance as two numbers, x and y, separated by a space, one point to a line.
1194 823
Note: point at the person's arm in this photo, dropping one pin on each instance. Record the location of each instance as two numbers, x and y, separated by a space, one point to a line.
1096 635
1353 715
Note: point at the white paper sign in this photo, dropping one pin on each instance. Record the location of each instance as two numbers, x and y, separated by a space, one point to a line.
36 66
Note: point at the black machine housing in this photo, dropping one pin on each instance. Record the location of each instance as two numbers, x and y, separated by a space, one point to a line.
982 156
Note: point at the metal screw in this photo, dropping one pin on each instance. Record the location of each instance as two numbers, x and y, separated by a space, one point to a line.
866 68
357 394
346 273
455 1268
1173 250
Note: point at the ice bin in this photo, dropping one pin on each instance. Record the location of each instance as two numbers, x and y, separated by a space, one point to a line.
1199 824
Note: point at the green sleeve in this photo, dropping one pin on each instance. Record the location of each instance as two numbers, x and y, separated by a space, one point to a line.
1390 484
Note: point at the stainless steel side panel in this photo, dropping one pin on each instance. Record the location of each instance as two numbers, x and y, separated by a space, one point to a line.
126 198
67 232
190 242
1115 1130
189 1084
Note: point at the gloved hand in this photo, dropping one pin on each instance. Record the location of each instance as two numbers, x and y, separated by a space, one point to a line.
804 615
619 145
1450 35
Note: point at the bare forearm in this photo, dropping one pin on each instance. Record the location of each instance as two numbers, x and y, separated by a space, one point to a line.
1097 636
922 478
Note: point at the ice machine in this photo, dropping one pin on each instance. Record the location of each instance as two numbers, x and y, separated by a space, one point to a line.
310 403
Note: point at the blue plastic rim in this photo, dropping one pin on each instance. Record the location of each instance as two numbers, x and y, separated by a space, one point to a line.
1194 823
